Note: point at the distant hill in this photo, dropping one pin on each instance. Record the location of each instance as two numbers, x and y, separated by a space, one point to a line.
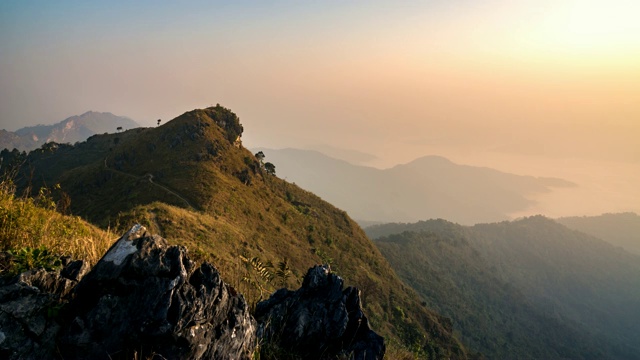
428 187
621 229
191 181
349 155
516 280
70 130
493 317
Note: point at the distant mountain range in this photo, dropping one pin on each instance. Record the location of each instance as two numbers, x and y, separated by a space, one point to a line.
527 289
621 229
70 130
428 187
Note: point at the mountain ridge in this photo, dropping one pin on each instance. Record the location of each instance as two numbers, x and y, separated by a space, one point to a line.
236 214
588 285
428 187
70 130
620 229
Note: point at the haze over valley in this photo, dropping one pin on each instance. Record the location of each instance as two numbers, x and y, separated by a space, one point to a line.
320 180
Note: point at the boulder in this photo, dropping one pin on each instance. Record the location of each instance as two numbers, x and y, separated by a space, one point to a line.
29 309
145 299
321 320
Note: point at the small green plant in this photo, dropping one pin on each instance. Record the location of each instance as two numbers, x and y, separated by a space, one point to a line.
28 258
259 277
326 259
283 272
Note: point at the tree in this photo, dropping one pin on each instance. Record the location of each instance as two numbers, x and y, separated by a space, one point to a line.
260 156
159 121
270 168
119 128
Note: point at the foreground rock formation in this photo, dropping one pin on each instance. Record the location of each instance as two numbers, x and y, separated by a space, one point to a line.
144 299
319 321
29 306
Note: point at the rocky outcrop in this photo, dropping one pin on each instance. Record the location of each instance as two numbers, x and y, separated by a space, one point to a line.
143 299
29 307
319 321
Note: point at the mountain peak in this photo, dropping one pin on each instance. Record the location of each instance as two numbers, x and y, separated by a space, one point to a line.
72 129
432 160
191 179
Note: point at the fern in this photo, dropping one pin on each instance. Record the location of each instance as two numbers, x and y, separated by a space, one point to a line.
283 272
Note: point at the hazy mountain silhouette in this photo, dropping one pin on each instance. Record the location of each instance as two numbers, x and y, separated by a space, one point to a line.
70 130
621 229
349 155
428 187
561 275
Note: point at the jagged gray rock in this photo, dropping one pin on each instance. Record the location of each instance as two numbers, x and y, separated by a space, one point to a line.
319 321
145 298
29 306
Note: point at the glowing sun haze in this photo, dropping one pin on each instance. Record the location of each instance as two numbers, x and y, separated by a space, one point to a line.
545 88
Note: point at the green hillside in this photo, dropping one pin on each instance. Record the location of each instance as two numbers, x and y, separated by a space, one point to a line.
191 181
531 287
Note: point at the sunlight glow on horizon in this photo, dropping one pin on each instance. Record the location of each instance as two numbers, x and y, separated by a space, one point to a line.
550 79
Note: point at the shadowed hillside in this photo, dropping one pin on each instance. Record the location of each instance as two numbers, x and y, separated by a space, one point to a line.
515 281
191 181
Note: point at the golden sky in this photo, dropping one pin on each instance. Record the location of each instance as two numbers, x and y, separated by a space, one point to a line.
531 87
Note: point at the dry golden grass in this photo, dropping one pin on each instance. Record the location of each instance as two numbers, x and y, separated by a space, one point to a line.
27 222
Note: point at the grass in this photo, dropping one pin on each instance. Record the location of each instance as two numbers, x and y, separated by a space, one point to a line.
27 224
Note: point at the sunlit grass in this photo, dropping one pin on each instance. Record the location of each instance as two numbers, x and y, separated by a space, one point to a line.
27 222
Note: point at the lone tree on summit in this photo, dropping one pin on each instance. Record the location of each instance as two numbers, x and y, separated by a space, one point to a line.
159 121
260 156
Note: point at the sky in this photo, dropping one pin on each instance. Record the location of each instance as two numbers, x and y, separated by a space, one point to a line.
544 88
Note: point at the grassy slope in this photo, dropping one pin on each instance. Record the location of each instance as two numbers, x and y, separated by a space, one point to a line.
34 223
189 181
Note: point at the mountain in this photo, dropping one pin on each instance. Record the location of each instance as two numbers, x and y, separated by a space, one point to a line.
493 317
191 181
70 130
621 229
349 155
428 187
573 295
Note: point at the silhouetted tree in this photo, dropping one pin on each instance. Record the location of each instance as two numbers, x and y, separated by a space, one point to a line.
119 128
270 168
260 156
159 121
